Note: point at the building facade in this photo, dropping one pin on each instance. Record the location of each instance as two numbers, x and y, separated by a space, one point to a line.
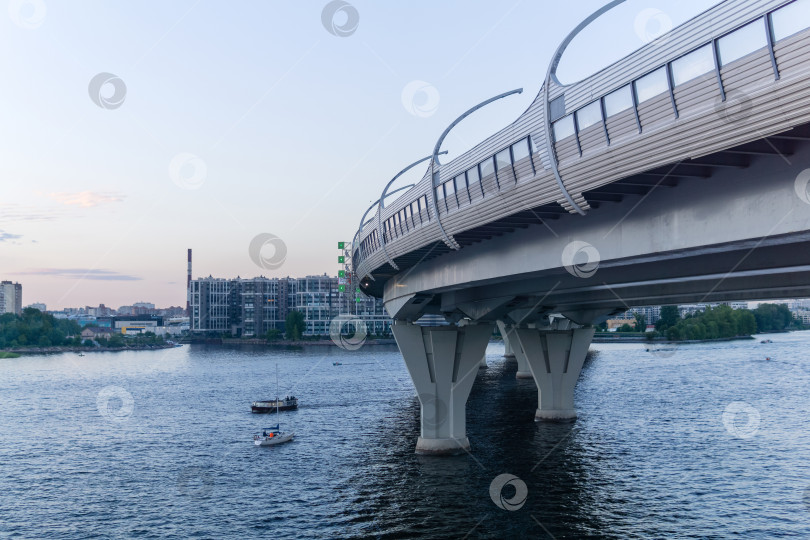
251 307
10 297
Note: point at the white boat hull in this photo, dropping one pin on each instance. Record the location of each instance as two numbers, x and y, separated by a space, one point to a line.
272 441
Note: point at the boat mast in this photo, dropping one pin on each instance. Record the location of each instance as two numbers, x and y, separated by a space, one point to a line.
277 423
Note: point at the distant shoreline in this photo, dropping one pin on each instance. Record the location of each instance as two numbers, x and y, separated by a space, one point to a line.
56 350
283 343
643 339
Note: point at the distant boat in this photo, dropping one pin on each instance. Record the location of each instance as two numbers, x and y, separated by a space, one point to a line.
766 341
337 363
289 403
81 354
273 435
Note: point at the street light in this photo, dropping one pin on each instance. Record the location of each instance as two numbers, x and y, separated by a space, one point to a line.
434 162
552 75
381 205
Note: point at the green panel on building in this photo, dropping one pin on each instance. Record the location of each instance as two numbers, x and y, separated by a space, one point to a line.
341 259
342 288
341 245
341 273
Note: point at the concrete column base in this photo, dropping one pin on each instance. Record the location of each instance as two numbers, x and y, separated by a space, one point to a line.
443 362
524 375
483 364
555 415
442 447
555 358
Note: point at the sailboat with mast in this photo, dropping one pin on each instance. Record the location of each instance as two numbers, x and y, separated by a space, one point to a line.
273 435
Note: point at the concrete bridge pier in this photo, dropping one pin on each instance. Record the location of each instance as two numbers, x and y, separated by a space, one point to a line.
508 351
555 358
515 350
483 363
443 362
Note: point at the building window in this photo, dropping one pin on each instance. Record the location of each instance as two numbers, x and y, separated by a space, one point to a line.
589 115
652 85
790 19
692 65
618 101
503 159
564 127
741 42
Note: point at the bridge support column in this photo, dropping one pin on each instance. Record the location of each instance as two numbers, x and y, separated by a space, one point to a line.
508 351
515 350
443 362
555 358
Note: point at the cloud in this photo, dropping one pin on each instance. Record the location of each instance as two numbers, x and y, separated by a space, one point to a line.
80 273
5 237
12 212
86 199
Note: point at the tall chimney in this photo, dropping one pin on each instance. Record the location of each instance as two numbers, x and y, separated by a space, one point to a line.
188 286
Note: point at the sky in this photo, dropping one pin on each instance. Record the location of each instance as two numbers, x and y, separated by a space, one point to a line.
132 131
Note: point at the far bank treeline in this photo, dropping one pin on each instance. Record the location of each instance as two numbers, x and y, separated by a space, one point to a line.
719 322
37 329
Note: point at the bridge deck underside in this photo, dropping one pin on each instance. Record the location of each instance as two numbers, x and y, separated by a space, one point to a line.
752 229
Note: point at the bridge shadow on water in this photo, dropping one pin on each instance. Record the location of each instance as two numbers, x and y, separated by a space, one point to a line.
399 494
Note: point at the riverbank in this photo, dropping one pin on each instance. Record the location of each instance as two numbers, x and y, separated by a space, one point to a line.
55 350
644 339
285 343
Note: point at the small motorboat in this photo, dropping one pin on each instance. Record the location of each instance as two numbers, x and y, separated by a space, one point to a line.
289 403
337 363
81 354
272 436
766 341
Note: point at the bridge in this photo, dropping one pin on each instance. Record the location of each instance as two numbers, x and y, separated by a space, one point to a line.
678 174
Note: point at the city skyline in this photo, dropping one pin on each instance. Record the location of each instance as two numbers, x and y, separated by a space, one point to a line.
138 132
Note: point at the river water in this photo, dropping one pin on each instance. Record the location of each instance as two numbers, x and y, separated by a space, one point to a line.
707 440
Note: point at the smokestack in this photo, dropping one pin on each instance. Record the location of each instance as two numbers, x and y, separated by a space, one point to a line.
188 286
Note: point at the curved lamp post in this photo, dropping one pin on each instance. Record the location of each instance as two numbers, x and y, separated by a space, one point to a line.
434 163
381 206
552 75
363 221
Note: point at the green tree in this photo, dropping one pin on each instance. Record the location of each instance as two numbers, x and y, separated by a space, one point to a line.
669 317
745 321
294 325
625 328
641 323
273 334
773 317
